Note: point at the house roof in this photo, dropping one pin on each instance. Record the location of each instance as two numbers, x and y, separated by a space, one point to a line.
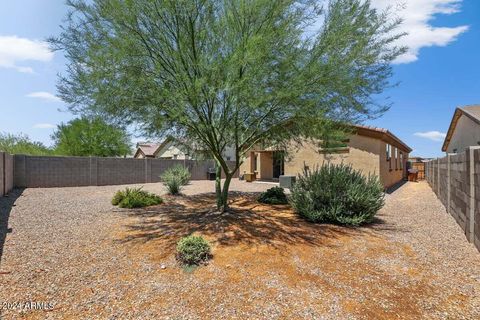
150 149
147 149
373 132
472 112
382 134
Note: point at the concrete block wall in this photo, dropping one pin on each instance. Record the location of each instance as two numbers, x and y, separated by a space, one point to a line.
2 175
6 173
44 171
455 179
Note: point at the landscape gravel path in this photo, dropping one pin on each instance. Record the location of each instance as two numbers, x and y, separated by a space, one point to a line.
70 254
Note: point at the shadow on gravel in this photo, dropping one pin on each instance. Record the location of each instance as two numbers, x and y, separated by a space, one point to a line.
248 222
6 205
395 187
379 224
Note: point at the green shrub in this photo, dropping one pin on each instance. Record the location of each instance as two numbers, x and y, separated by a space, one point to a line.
193 250
274 195
175 178
337 194
135 198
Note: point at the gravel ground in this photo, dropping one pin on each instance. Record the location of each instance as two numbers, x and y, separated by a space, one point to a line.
69 247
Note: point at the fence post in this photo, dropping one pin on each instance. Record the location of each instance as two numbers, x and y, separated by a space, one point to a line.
438 177
3 189
448 182
470 167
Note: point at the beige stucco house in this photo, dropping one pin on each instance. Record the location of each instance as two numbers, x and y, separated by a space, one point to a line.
464 130
164 150
371 150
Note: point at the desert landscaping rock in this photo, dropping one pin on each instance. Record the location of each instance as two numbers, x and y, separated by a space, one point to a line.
72 248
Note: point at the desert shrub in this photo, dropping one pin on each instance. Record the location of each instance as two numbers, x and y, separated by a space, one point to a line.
175 178
275 195
135 198
337 194
193 250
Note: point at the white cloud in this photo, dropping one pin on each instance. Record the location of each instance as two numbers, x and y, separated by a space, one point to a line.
431 135
44 95
44 126
417 15
14 51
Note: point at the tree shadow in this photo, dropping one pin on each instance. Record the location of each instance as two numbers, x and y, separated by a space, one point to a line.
6 205
247 223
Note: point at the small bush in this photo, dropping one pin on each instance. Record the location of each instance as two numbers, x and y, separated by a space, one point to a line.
135 198
193 250
275 195
175 178
337 194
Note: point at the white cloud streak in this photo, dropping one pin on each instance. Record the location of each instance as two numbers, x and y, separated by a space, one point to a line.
431 135
44 96
44 126
417 16
15 51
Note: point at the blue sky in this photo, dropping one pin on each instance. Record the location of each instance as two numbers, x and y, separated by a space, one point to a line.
440 72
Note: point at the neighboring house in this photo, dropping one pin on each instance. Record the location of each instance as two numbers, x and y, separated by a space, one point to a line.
464 130
165 150
146 150
371 150
169 150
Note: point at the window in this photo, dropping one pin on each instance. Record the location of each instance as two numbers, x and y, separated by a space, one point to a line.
396 159
175 156
401 160
228 158
389 152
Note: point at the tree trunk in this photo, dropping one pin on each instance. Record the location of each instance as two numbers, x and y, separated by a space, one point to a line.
222 201
218 184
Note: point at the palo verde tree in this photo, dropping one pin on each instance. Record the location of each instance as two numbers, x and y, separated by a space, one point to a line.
227 73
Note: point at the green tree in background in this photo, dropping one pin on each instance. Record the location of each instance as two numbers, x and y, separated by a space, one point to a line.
228 73
21 144
91 137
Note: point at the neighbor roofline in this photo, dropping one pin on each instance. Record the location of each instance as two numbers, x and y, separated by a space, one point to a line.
453 124
162 145
138 151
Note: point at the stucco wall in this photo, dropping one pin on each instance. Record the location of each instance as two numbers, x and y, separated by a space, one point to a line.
265 165
169 152
466 134
363 154
390 171
248 164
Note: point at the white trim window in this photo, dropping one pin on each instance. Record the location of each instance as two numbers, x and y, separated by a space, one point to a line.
396 158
